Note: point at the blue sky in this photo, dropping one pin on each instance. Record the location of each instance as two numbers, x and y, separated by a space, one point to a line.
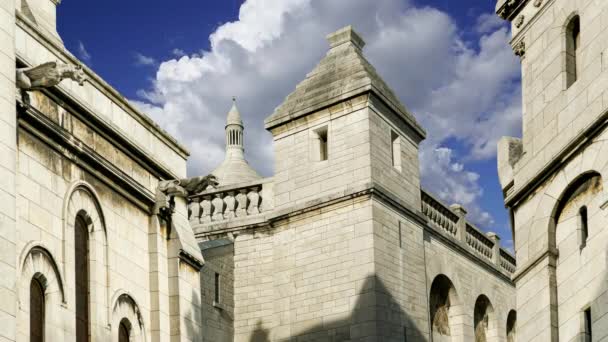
448 60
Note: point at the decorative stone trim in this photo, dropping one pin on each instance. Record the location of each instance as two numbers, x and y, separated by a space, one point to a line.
520 21
520 49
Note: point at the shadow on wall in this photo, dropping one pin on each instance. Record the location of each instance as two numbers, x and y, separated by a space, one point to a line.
192 330
377 316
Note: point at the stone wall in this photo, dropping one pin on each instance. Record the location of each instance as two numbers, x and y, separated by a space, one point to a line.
8 156
553 113
218 318
557 277
298 177
403 180
310 276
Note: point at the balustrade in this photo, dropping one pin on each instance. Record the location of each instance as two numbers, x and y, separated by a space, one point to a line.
218 204
452 220
440 216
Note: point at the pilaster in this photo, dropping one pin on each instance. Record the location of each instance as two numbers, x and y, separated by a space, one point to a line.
8 156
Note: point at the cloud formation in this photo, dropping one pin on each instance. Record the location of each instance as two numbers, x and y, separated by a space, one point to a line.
83 54
144 60
459 90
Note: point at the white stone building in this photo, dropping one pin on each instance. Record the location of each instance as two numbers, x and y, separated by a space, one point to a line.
83 255
342 244
554 177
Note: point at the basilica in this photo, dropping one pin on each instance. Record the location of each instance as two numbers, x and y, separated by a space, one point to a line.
104 237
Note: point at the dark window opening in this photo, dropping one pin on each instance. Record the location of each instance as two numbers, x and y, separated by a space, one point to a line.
573 42
81 258
320 140
123 332
36 311
217 288
588 334
584 226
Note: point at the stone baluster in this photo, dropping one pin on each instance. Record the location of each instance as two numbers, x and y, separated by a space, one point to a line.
230 204
194 211
495 255
218 208
206 207
241 199
254 201
461 225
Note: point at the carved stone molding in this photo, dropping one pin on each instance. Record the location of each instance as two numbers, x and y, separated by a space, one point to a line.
48 75
520 21
520 49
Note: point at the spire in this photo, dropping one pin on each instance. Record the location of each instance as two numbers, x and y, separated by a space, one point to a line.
234 117
235 168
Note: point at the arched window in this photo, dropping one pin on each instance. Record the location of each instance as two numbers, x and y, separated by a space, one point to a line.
511 326
123 331
36 311
483 319
445 308
81 272
573 42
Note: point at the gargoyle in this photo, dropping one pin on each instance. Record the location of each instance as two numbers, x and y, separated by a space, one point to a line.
181 188
48 75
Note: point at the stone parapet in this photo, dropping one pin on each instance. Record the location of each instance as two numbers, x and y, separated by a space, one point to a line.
452 222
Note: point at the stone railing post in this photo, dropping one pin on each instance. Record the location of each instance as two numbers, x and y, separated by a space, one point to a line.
461 225
496 249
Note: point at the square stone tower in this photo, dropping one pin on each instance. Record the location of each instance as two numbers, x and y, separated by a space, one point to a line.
553 177
347 173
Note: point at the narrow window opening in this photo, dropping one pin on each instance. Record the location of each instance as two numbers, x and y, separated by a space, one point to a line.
400 238
573 42
123 331
217 288
81 257
584 222
396 150
36 311
321 147
588 333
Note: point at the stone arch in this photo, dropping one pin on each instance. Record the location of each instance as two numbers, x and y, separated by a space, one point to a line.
585 185
126 310
484 320
572 34
511 326
83 201
446 310
37 262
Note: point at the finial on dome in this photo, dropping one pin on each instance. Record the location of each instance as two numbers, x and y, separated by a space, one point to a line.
345 35
234 117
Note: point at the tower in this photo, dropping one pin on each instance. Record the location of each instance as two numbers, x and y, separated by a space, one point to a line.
552 178
234 169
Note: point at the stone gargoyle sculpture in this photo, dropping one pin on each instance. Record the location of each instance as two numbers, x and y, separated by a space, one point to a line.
181 188
48 75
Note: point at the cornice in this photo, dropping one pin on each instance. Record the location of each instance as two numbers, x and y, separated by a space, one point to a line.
110 133
41 127
563 156
508 9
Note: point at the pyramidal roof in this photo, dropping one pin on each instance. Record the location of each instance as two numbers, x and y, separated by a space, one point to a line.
343 73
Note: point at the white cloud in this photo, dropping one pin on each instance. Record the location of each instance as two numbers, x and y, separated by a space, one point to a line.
488 22
83 54
144 60
178 52
458 90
